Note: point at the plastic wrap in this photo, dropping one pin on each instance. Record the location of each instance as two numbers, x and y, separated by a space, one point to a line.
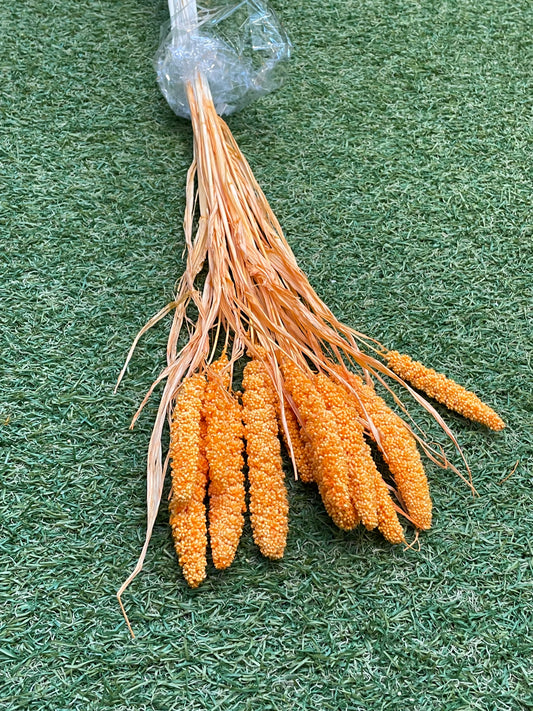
239 47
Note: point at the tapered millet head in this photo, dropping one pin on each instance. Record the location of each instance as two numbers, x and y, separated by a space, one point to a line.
224 447
320 427
269 505
400 451
446 391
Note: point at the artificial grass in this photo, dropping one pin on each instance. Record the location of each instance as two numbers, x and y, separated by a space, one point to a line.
397 158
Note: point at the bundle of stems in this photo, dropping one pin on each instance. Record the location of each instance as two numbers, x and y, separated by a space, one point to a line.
245 289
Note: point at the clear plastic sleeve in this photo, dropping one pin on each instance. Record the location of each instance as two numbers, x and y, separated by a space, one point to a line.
239 47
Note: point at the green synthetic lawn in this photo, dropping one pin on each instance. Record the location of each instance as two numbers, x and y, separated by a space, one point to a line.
398 160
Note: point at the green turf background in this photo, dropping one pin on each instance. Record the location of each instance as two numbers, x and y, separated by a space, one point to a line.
398 159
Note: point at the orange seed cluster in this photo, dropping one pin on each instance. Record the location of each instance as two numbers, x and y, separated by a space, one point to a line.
185 437
401 452
388 523
444 390
189 526
300 444
269 507
331 472
224 446
361 467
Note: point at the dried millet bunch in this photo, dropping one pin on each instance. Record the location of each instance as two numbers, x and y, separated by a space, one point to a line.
243 279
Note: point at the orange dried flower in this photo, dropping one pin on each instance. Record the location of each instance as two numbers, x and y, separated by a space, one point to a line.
331 471
399 448
188 522
185 437
224 446
444 390
269 507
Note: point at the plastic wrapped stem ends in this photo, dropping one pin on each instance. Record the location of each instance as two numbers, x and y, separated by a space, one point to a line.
240 48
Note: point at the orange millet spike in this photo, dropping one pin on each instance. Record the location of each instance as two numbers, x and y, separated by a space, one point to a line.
269 506
224 446
300 444
188 523
331 468
444 390
185 437
399 448
361 466
388 522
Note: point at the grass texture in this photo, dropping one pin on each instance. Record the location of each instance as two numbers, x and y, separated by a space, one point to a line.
398 160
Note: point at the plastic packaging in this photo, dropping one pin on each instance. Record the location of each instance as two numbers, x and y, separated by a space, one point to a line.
239 47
